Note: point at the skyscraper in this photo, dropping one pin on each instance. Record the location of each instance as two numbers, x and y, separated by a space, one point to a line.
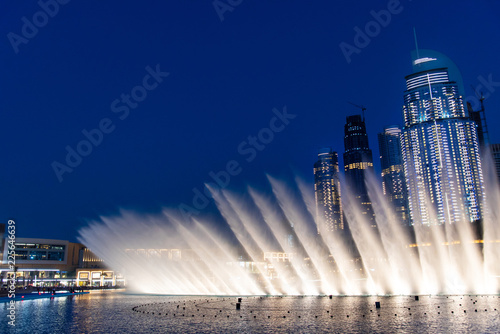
357 161
327 191
477 117
495 151
439 145
393 179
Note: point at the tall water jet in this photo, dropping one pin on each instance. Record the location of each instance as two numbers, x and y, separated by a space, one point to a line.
270 242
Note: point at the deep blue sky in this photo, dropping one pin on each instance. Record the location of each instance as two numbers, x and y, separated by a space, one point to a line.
225 79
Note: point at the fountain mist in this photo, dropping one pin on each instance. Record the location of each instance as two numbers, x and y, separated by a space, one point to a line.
275 248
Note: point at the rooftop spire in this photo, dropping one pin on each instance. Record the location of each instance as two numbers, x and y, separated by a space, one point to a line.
416 43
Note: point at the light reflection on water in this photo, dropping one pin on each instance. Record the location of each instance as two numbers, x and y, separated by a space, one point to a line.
118 312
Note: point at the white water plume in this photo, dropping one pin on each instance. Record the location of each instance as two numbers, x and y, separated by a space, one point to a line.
274 248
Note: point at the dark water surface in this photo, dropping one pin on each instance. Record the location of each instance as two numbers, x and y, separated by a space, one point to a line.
118 312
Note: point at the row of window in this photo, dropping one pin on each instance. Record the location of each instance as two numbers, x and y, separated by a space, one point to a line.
39 246
39 255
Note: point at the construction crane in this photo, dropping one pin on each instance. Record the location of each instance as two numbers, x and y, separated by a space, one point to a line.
360 107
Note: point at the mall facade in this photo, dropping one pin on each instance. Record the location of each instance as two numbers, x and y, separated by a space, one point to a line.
50 263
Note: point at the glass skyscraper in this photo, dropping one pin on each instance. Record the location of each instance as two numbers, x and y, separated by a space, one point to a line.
439 145
393 179
327 191
358 161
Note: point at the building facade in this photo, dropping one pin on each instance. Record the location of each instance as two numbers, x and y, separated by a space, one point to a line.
42 260
50 263
393 179
440 145
358 161
478 117
495 151
327 191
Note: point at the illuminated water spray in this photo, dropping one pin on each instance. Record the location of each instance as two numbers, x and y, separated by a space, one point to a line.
274 248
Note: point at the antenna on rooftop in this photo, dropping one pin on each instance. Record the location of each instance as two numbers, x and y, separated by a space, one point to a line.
416 43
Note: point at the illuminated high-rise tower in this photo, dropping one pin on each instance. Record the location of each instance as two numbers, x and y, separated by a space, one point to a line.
357 162
439 145
393 178
327 191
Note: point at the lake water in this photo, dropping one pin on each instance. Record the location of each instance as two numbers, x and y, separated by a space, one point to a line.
119 312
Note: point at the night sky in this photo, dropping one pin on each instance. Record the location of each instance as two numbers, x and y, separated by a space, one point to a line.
213 77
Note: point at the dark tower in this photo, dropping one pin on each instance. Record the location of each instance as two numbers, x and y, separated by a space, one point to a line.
357 161
495 151
479 117
327 191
